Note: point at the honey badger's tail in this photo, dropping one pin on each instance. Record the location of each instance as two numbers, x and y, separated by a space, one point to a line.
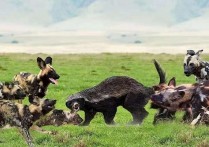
161 72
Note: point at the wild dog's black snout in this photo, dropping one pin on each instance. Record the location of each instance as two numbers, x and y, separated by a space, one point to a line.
57 76
52 102
187 71
157 98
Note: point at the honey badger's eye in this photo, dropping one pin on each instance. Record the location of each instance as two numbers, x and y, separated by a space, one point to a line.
184 64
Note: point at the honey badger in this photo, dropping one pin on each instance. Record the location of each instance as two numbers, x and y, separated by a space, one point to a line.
112 92
36 85
23 116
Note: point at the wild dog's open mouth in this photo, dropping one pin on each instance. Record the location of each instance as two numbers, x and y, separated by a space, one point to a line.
53 81
50 107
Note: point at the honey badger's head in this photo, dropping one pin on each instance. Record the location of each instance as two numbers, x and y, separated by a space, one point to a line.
75 102
42 106
47 73
191 62
11 90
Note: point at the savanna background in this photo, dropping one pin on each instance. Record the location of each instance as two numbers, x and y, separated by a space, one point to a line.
91 40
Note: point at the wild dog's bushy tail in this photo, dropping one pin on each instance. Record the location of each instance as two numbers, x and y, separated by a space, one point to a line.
161 72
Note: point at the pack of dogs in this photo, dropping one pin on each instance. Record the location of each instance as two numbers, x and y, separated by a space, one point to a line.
105 97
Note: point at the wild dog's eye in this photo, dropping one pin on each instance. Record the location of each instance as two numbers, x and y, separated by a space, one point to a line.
191 64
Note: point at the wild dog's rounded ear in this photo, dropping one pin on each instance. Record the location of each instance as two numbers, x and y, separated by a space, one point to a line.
172 82
198 52
48 60
41 63
190 52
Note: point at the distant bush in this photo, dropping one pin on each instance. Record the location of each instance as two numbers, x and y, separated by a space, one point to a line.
137 41
14 42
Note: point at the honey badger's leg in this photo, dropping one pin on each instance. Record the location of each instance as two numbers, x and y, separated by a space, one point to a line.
109 115
89 115
135 103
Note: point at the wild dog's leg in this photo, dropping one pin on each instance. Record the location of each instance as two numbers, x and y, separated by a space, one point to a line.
164 114
26 134
188 116
109 116
89 115
39 129
196 120
24 131
135 103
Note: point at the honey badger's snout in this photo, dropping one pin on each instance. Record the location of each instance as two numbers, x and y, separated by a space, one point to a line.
76 106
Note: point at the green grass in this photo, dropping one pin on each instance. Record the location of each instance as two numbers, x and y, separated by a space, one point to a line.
82 71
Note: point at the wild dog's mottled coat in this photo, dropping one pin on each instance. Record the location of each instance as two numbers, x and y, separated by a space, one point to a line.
194 65
11 91
23 116
59 117
36 85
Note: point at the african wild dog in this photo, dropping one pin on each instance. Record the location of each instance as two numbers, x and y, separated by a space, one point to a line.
202 118
194 65
23 116
111 93
190 97
11 91
36 85
59 117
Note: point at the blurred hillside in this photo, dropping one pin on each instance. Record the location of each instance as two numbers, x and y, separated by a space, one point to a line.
104 15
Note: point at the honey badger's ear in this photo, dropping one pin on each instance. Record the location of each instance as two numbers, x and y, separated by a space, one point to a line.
48 60
41 63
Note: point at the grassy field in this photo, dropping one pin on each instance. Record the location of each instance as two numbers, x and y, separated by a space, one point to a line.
82 71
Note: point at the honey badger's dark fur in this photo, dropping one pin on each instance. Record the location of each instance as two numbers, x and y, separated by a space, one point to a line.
111 93
23 116
11 91
36 85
